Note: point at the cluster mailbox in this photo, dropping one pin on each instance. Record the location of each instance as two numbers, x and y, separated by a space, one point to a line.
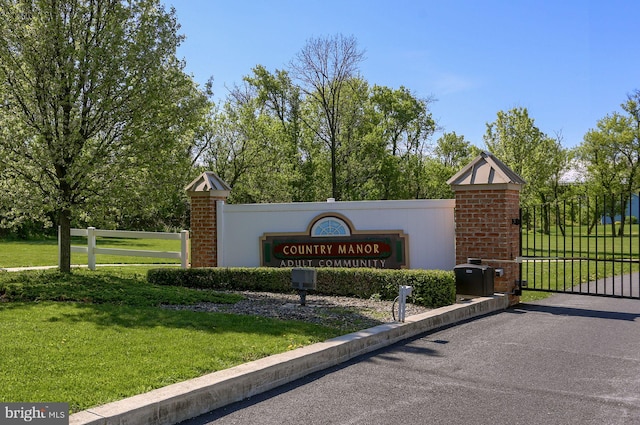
474 278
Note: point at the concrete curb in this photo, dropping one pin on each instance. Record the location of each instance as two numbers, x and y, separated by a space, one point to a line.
181 401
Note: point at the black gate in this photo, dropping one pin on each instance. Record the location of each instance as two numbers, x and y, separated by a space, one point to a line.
588 245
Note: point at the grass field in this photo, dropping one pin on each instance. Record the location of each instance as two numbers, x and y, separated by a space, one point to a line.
90 354
93 337
608 255
577 241
44 252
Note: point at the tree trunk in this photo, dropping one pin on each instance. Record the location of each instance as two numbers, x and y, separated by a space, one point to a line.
624 201
623 220
546 219
334 172
593 223
64 241
560 220
613 225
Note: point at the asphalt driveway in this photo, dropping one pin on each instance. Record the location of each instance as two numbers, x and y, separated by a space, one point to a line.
568 359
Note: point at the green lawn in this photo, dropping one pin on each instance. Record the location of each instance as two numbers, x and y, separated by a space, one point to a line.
577 240
90 354
613 254
93 337
45 252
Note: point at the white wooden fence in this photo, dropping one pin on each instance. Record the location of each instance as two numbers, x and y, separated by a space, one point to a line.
91 249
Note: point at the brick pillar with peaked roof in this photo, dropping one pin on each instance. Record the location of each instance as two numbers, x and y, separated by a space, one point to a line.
207 195
487 218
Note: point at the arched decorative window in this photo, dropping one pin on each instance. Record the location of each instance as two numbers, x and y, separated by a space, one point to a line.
330 226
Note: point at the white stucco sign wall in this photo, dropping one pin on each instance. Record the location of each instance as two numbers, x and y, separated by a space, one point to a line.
428 226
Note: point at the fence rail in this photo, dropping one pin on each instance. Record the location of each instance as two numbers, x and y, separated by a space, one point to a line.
91 233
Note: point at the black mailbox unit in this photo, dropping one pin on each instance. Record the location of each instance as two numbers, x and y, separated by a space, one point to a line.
474 279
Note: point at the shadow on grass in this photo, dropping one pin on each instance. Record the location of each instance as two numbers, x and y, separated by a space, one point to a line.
100 287
110 299
125 317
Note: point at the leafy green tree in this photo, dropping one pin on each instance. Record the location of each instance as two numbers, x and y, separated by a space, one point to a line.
325 67
255 143
330 136
521 145
404 124
611 153
281 101
536 157
452 152
90 91
360 153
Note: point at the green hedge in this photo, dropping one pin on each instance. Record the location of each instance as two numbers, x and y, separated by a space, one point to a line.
431 288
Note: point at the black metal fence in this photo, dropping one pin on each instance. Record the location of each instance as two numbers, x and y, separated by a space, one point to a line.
588 245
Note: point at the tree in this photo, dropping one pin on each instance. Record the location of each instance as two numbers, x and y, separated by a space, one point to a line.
275 141
611 153
452 152
536 157
255 143
521 145
89 89
325 67
404 124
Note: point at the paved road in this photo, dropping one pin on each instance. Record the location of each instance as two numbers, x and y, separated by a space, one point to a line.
627 285
568 359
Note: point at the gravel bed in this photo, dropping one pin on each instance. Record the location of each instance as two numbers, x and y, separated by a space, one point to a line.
343 312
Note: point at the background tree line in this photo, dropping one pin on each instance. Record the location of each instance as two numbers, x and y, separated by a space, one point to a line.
319 130
604 169
100 125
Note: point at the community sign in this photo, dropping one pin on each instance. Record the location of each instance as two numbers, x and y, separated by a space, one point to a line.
331 241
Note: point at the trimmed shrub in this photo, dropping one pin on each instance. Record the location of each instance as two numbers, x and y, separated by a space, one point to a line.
431 288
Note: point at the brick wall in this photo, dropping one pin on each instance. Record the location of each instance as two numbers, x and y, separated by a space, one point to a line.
484 229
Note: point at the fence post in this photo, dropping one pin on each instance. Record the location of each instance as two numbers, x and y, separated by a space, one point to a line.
91 247
184 251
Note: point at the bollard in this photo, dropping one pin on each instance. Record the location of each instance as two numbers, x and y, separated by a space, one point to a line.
405 291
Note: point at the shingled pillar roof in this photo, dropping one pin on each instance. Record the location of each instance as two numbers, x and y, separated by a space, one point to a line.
209 182
486 169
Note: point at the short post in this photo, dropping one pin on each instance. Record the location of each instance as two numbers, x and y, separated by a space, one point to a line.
405 291
91 247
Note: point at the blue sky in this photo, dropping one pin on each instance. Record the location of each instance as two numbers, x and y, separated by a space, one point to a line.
570 63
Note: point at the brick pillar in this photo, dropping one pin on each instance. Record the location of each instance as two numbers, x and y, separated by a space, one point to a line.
485 229
487 218
204 194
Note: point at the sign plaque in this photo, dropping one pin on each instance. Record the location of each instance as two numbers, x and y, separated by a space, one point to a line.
331 241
